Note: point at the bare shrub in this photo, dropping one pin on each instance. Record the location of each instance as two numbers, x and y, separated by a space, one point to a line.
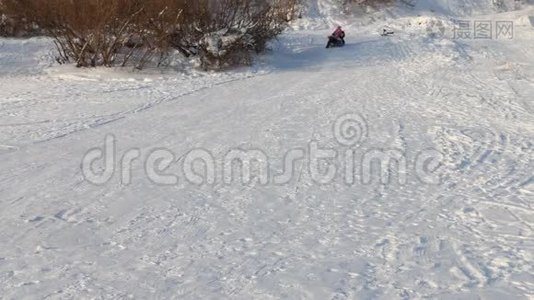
16 25
89 33
232 29
118 32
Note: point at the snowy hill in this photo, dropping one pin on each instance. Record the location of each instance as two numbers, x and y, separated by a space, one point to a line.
396 167
328 13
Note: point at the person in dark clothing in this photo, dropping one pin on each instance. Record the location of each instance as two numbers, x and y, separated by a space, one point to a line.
337 38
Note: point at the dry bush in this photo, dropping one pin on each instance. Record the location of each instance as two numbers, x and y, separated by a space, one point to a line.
226 32
117 32
16 26
91 32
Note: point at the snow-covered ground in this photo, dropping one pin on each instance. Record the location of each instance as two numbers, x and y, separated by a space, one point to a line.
420 96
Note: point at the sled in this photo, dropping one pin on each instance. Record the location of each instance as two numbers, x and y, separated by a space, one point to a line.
387 32
334 43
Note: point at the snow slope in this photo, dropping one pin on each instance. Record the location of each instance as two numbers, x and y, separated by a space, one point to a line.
469 237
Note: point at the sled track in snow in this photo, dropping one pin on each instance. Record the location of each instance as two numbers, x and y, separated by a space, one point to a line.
50 129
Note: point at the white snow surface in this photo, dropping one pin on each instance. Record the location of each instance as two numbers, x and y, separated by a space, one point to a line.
469 237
